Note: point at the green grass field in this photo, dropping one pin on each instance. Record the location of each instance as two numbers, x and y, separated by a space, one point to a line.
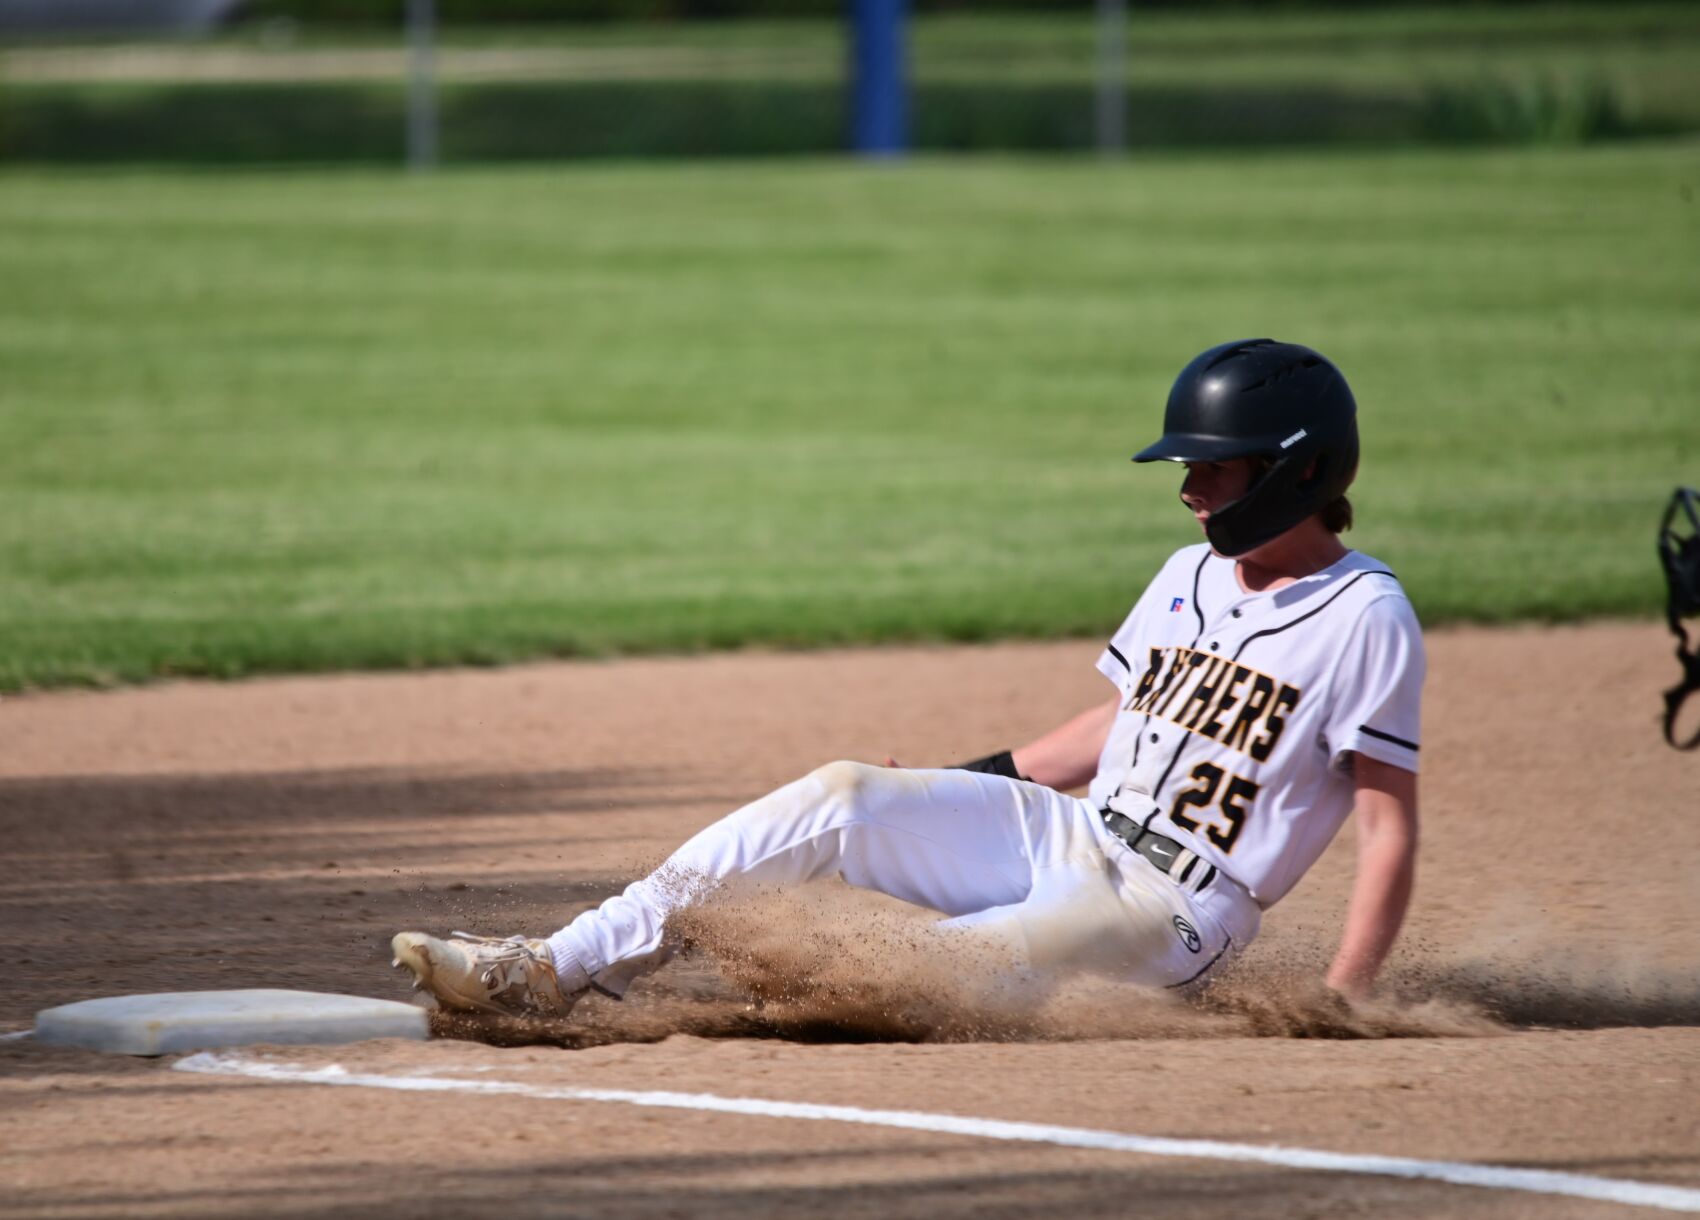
321 420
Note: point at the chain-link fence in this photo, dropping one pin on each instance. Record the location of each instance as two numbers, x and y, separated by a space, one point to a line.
328 80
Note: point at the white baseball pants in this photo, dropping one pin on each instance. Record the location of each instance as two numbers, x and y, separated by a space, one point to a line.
1031 869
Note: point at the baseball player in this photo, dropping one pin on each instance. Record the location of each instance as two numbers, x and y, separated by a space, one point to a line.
1266 685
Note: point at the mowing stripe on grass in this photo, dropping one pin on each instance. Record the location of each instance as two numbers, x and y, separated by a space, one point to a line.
338 421
1493 1177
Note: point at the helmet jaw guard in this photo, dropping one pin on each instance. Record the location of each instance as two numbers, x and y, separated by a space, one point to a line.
1258 398
1283 496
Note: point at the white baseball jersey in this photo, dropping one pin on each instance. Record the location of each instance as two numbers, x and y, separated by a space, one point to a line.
1239 710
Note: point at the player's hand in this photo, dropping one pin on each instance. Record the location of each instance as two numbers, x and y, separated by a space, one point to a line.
892 762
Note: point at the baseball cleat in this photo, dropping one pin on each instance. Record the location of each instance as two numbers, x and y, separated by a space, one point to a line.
514 977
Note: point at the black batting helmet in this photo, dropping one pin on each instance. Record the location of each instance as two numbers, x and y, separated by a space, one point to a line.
1260 398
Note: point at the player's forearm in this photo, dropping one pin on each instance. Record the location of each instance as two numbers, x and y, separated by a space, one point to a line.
1381 895
1067 756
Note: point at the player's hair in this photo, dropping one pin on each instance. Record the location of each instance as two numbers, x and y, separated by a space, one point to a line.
1337 516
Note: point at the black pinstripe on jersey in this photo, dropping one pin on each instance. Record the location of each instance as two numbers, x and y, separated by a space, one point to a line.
1197 578
1311 613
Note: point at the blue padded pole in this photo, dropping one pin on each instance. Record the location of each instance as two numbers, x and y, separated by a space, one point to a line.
879 122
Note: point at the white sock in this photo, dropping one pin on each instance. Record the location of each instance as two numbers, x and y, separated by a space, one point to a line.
568 970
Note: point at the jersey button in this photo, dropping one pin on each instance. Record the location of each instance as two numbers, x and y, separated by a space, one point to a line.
1236 613
1153 739
1214 645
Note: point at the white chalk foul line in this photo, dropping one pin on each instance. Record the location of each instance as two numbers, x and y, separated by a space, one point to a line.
1493 1177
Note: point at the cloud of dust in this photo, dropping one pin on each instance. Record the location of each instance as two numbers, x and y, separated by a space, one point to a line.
829 963
827 959
1556 986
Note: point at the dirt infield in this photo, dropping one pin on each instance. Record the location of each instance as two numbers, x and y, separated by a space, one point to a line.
274 834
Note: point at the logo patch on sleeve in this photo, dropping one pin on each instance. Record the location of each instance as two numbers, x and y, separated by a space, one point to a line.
1176 604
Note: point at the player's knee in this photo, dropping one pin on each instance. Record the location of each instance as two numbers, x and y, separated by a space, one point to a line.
853 791
845 780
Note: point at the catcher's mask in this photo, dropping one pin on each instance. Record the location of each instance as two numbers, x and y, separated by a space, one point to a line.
1679 553
1261 399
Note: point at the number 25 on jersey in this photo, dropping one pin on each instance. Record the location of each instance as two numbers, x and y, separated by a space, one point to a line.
1233 803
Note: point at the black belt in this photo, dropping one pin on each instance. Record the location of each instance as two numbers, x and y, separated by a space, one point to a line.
1168 856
